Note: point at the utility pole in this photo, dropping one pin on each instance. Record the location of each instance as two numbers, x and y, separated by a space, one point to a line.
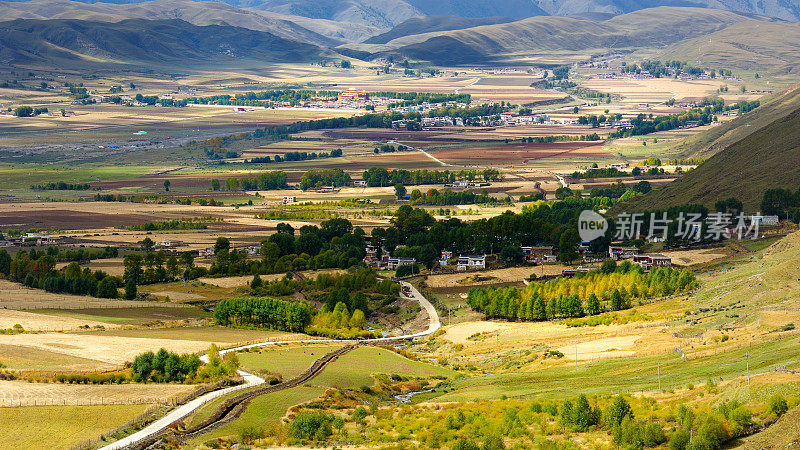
748 375
659 376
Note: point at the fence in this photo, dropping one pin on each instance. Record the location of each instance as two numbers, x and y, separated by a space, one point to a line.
149 415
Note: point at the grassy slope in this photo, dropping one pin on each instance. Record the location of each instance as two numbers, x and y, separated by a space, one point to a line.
757 152
763 289
351 371
751 45
60 427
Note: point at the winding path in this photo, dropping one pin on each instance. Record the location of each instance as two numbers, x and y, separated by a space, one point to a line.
251 380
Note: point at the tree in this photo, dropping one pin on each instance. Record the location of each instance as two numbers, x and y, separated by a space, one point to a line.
399 190
166 185
567 245
130 290
147 244
23 111
107 288
222 244
512 254
618 410
346 64
214 184
776 201
133 268
593 305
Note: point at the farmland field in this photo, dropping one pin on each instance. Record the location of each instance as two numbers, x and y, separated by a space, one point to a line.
189 190
32 426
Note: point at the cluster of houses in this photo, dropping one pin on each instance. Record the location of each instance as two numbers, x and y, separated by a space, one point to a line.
646 261
30 239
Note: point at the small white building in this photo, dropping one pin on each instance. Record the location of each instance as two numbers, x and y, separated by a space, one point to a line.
617 252
650 261
394 263
471 262
287 199
764 220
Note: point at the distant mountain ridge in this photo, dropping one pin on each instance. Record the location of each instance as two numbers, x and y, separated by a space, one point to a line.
427 24
195 12
169 43
389 13
657 27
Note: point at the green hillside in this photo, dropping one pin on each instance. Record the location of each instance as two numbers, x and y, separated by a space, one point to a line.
756 152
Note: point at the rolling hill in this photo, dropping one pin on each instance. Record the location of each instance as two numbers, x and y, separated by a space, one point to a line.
195 12
427 24
783 9
79 43
755 152
651 28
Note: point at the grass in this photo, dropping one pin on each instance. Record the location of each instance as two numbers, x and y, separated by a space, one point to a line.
60 427
355 369
632 374
287 361
129 316
264 410
742 168
206 333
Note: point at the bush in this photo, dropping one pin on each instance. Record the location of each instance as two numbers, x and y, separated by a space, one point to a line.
778 405
312 425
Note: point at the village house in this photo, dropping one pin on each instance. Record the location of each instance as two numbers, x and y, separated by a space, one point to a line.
650 261
253 250
468 262
618 252
539 255
287 199
359 183
394 263
764 220
446 255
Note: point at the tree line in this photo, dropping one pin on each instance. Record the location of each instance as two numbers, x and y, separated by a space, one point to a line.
611 288
263 312
317 178
61 186
37 270
449 197
264 181
378 176
295 156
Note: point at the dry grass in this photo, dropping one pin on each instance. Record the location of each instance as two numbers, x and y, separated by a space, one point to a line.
16 296
60 427
42 322
108 349
19 393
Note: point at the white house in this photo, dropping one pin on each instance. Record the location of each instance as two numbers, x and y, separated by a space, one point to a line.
468 262
394 263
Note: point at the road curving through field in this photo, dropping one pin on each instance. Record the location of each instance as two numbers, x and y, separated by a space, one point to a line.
251 380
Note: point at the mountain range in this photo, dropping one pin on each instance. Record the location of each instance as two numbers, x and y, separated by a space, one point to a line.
385 14
46 32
